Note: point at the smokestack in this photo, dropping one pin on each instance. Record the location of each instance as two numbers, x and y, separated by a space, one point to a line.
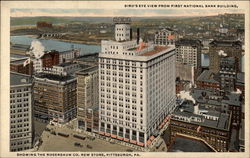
131 34
196 109
138 35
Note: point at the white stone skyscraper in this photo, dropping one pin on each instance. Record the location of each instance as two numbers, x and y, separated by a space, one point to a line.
21 127
136 85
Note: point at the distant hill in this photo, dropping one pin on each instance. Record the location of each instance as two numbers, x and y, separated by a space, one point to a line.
66 20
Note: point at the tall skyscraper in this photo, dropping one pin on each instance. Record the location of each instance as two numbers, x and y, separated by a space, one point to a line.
136 85
21 136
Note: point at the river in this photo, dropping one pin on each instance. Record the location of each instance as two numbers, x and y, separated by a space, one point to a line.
56 45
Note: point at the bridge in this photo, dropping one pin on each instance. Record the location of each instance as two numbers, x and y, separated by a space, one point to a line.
44 35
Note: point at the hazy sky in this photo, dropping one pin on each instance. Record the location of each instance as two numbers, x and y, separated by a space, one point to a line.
119 12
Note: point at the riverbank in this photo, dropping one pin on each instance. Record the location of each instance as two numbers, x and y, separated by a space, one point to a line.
74 41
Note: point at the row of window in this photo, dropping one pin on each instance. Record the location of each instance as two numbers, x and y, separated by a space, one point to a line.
19 130
121 123
119 62
120 105
18 115
18 105
19 110
19 90
19 120
127 93
19 125
19 135
19 100
19 95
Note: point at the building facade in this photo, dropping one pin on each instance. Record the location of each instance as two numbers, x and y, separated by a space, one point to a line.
87 97
21 132
54 97
165 36
230 48
228 74
221 102
188 52
64 69
49 59
68 55
188 59
18 66
136 86
208 79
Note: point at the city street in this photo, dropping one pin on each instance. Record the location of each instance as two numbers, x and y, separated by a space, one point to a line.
59 143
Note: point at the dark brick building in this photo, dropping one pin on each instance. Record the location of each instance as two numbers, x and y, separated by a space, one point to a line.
209 126
17 66
50 59
231 48
43 24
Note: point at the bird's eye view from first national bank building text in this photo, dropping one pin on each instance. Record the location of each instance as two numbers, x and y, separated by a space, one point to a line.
121 81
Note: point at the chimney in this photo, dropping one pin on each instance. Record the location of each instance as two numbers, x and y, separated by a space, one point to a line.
131 34
138 35
196 109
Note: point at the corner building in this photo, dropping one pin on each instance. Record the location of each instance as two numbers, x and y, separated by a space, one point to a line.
137 86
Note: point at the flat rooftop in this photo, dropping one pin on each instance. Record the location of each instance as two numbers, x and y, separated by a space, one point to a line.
20 46
54 77
18 61
66 64
157 49
232 98
88 70
208 76
19 79
187 110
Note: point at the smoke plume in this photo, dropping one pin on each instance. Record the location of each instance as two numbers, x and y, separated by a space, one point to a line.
37 49
186 95
222 53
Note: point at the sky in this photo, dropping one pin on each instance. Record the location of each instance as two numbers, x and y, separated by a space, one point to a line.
119 12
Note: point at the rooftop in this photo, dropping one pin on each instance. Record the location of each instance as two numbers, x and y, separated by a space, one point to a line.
188 42
233 98
18 61
54 77
17 56
187 110
68 51
165 30
157 49
207 76
20 46
66 64
88 70
225 43
19 79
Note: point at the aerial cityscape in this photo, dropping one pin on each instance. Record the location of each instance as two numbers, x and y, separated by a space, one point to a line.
127 84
